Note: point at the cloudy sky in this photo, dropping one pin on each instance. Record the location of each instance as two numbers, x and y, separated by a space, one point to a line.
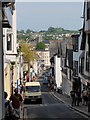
42 15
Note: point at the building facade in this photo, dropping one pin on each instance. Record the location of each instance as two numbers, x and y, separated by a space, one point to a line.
85 44
45 56
6 13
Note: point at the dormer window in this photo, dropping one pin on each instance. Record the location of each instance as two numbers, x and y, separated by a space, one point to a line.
9 42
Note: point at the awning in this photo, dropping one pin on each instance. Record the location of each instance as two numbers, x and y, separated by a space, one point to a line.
5 24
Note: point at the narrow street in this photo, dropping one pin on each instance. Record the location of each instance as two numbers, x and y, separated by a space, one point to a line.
51 108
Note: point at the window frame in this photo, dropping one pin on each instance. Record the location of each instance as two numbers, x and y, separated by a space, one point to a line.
9 42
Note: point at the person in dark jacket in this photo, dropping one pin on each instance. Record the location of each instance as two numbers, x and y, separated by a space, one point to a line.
73 97
78 93
8 108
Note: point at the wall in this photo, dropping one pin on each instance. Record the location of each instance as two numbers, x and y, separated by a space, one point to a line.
58 74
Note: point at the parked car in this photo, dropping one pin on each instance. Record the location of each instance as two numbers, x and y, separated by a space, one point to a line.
45 80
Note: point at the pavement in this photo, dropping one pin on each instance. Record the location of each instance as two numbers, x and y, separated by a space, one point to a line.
67 101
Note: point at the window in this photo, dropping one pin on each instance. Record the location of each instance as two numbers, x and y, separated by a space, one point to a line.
9 42
88 10
75 43
89 44
81 67
33 88
87 63
70 74
75 68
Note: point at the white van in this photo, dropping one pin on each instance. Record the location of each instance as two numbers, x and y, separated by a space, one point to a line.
32 92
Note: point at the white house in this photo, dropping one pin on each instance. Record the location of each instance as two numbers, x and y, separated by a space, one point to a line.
45 56
6 14
58 73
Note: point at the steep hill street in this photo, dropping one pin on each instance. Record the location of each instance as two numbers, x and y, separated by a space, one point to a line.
51 107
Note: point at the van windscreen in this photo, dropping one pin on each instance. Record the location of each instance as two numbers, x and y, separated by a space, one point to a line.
33 88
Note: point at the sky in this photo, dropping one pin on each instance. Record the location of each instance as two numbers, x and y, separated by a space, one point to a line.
42 15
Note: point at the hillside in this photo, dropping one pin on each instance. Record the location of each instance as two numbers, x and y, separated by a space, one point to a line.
50 34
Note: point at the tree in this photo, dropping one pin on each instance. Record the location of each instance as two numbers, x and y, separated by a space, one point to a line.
28 53
40 46
51 29
28 31
22 31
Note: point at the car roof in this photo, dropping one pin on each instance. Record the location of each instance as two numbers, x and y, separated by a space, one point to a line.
32 84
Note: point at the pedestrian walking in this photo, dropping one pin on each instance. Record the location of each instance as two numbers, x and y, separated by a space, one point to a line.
73 97
85 96
78 97
55 87
22 90
16 100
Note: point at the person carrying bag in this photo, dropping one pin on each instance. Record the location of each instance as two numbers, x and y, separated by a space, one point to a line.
16 100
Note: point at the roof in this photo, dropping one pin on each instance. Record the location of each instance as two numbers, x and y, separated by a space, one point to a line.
46 41
32 84
74 35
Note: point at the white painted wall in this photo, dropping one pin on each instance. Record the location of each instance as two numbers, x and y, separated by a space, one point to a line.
45 55
35 67
57 68
11 55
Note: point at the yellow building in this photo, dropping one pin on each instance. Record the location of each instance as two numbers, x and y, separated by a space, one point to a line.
7 77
